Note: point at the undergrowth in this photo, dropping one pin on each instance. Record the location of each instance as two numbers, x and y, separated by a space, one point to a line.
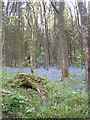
67 99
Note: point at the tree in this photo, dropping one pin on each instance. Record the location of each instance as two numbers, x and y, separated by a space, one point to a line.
30 23
36 36
0 36
63 39
46 39
13 36
89 46
85 34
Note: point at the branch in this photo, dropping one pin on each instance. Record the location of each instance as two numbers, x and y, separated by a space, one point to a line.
28 21
28 6
12 8
55 8
6 92
7 7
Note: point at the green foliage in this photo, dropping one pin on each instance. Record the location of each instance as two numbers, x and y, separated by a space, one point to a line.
16 103
18 36
27 61
64 101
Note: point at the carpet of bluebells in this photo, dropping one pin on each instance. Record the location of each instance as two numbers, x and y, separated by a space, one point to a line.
53 73
67 99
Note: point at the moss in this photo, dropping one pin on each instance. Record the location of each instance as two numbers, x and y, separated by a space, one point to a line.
44 65
47 68
66 73
28 80
63 77
52 64
29 83
58 68
82 67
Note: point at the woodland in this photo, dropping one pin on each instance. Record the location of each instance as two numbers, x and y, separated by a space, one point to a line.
45 59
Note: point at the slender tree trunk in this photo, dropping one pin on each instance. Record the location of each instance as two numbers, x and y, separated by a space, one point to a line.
72 43
85 34
42 34
80 37
63 42
58 48
30 23
5 29
88 46
31 45
37 42
46 40
64 54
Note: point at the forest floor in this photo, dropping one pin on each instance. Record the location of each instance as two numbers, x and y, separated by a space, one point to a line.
67 99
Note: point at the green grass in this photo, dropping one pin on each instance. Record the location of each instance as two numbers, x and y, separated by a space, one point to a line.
64 101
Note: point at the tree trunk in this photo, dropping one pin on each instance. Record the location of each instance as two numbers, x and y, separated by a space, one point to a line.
31 48
89 46
85 34
63 51
63 42
37 42
46 40
80 36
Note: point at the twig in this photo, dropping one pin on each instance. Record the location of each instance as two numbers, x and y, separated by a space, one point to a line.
7 92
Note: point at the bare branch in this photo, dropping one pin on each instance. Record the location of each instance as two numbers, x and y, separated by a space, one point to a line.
28 21
55 8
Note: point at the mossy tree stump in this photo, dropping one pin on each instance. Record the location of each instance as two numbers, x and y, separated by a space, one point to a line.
29 80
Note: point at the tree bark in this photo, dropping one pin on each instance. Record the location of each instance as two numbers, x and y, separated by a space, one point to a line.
85 34
46 40
30 23
89 46
63 40
31 46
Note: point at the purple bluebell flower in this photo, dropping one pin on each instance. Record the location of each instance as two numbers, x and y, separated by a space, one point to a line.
53 73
